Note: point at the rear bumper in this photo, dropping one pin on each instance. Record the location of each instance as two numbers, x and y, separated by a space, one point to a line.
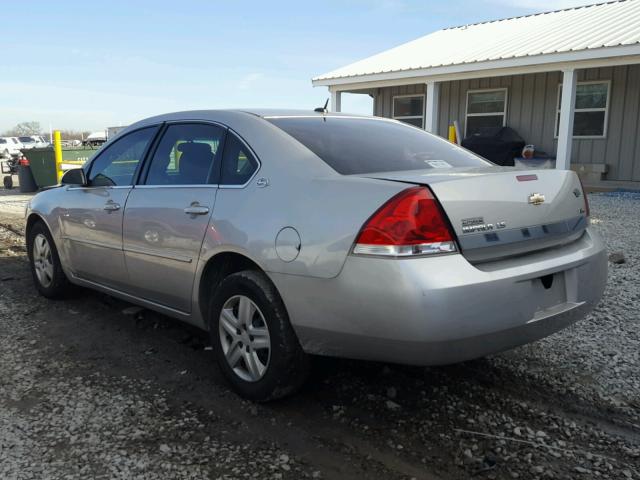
443 309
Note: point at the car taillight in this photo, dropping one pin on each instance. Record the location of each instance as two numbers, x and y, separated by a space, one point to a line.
411 223
24 161
586 199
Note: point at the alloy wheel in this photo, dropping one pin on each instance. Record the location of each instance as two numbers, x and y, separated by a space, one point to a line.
244 336
43 260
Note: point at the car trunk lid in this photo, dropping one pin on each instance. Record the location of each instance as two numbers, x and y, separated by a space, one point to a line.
497 212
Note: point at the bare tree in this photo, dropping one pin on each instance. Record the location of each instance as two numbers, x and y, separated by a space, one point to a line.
24 129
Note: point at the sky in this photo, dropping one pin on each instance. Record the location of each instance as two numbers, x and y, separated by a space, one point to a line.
89 65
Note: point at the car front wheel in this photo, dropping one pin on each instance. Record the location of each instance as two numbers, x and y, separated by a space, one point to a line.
254 343
45 264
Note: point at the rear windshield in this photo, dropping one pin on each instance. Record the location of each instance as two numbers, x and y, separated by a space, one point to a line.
365 145
26 139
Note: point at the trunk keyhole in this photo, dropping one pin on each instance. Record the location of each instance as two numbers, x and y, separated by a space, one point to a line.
547 281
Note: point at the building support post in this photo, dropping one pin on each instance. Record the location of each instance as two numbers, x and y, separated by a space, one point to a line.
565 130
336 99
432 102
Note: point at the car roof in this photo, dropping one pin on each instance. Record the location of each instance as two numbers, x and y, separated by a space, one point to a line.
280 112
233 116
239 112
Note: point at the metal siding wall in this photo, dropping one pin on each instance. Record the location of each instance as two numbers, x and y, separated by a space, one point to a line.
384 97
629 130
636 138
551 107
616 118
537 108
598 152
531 111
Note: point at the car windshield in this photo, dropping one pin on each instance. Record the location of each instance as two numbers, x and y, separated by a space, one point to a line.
353 145
26 139
2 140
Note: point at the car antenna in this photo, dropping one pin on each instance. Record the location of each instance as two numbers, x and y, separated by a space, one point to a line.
322 109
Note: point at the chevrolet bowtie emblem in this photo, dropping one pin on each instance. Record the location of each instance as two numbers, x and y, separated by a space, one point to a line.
536 199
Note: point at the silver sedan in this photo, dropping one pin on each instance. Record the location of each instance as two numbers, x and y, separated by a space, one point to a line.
287 233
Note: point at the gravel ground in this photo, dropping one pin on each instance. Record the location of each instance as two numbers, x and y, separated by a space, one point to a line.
91 388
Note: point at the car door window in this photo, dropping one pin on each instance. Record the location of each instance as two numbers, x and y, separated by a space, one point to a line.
238 164
186 155
117 164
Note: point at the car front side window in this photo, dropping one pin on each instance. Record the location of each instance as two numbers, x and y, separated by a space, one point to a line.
117 164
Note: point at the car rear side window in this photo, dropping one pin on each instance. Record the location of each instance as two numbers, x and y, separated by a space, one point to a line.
186 155
238 164
117 163
366 145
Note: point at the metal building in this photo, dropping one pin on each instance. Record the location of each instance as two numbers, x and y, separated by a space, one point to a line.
568 81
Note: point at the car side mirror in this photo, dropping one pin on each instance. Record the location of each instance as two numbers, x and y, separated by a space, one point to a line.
75 176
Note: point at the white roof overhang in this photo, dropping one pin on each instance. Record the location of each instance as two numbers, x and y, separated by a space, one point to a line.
592 58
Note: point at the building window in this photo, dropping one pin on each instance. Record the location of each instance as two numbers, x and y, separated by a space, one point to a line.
591 109
409 109
486 109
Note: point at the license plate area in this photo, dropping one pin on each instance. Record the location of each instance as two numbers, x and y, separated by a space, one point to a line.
549 290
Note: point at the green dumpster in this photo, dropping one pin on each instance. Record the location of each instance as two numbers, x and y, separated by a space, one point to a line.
43 163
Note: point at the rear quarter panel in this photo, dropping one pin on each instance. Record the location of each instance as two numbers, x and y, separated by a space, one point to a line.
326 212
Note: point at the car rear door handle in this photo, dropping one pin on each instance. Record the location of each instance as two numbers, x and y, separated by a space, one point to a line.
196 210
111 206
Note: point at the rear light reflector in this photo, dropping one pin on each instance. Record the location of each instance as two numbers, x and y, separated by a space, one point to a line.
526 178
411 223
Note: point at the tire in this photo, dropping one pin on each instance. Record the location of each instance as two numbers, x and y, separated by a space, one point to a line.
46 269
8 182
255 372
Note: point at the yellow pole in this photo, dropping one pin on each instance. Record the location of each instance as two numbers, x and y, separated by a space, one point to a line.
452 133
57 152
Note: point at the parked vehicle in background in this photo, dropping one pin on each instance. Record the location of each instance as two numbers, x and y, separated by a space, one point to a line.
95 139
71 143
18 143
287 233
27 142
9 147
33 141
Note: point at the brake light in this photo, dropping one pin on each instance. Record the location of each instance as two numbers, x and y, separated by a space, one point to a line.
411 223
586 199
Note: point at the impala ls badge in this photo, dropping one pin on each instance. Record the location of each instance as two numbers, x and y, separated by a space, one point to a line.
476 224
536 199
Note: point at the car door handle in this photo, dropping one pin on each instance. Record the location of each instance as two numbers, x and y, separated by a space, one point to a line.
196 210
111 206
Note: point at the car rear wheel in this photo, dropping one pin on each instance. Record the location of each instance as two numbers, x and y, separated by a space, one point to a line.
254 343
46 268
